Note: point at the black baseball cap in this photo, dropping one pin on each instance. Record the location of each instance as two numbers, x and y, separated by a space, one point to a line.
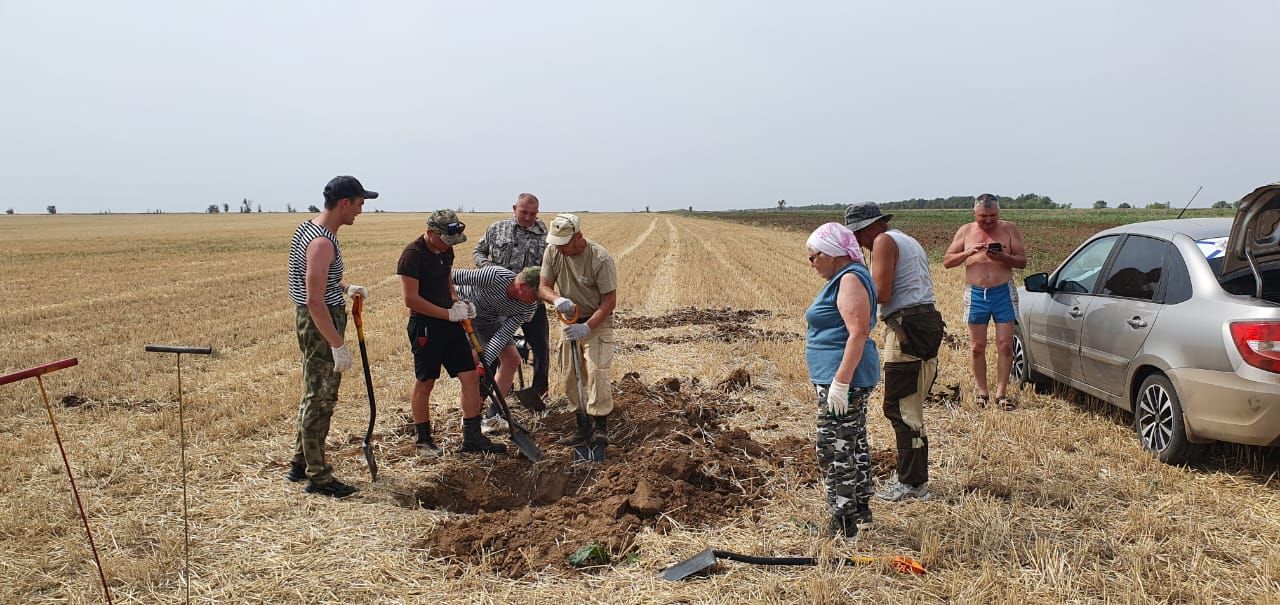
340 187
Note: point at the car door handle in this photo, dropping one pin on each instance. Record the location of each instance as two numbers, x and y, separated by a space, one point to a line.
1136 322
1075 312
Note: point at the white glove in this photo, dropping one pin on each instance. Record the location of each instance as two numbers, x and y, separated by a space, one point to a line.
838 399
361 291
563 305
459 312
576 331
471 309
341 359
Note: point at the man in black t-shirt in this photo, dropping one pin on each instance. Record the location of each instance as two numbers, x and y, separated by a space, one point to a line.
435 336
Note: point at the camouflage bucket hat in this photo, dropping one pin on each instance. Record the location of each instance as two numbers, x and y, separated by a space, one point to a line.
860 216
445 223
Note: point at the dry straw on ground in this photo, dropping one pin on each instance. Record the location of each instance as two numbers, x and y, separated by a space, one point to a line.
1053 503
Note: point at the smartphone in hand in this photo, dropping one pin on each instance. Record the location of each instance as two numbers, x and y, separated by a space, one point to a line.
996 247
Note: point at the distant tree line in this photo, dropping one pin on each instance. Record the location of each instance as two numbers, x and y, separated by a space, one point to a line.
956 202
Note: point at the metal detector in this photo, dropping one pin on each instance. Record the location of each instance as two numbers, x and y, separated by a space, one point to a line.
37 372
182 432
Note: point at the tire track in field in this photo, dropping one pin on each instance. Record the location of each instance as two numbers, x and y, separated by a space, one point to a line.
661 294
638 241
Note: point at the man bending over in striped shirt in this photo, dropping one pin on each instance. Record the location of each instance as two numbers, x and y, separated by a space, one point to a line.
504 301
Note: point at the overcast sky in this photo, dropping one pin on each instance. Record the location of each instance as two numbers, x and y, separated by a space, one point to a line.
129 106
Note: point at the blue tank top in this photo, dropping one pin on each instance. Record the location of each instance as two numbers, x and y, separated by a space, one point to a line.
826 333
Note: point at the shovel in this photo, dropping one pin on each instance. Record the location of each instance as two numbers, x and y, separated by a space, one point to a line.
518 433
588 452
357 313
706 559
528 397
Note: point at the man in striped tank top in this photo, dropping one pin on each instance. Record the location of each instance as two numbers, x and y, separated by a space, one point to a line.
913 334
504 302
320 319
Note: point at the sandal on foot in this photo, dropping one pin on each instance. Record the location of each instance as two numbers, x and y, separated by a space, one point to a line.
1006 404
982 400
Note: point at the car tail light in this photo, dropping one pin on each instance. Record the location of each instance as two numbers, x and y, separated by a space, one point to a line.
1258 343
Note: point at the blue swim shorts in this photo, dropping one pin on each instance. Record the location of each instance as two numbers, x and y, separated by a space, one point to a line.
1000 303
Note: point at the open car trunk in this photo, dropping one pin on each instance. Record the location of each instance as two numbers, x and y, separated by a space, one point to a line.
1251 261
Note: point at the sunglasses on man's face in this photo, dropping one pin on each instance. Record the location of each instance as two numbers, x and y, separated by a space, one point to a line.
814 255
453 228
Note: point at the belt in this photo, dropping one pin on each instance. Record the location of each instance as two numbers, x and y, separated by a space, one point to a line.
912 310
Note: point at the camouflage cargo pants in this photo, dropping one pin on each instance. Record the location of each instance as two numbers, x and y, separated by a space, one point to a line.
844 458
319 393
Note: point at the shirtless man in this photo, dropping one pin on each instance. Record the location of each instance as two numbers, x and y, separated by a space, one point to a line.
990 249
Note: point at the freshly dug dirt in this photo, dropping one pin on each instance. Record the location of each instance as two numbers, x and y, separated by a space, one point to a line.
671 460
687 317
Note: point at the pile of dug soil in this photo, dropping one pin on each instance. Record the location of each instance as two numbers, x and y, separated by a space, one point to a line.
688 317
671 460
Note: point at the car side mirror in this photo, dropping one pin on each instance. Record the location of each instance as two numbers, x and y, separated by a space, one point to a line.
1038 282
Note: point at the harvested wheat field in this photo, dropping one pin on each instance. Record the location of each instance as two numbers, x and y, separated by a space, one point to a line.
713 445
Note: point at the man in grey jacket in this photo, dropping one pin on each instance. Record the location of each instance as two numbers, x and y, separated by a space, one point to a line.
518 243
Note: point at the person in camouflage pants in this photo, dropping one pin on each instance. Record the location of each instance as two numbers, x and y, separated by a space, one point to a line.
320 392
844 458
844 366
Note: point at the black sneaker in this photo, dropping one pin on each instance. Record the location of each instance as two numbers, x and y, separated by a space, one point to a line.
333 489
297 471
474 442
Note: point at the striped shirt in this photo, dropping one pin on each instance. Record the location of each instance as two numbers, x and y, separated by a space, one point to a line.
306 233
487 288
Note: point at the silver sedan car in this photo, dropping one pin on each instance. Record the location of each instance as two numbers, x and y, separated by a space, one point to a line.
1177 321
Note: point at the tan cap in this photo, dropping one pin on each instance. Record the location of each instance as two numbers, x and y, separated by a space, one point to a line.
562 229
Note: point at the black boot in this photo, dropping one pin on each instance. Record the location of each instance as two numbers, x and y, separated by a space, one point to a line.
845 526
581 436
600 432
473 441
297 471
425 443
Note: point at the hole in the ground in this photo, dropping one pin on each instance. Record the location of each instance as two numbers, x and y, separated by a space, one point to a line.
671 462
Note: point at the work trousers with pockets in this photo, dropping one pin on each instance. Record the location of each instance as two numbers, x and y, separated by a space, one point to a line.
907 380
319 393
595 357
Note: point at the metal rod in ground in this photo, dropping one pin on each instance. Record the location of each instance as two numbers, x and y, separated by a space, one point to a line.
186 526
182 446
106 590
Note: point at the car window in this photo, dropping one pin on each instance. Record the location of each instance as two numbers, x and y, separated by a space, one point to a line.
1177 287
1137 270
1080 272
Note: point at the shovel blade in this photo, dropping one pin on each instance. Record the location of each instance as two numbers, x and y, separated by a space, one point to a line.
530 399
588 453
526 445
373 464
700 562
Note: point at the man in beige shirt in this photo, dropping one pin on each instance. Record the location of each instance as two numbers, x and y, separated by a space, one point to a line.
579 279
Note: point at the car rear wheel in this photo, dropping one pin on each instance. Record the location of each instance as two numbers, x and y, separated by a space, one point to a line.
1157 415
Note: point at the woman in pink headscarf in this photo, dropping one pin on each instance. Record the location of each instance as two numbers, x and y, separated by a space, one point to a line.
844 366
